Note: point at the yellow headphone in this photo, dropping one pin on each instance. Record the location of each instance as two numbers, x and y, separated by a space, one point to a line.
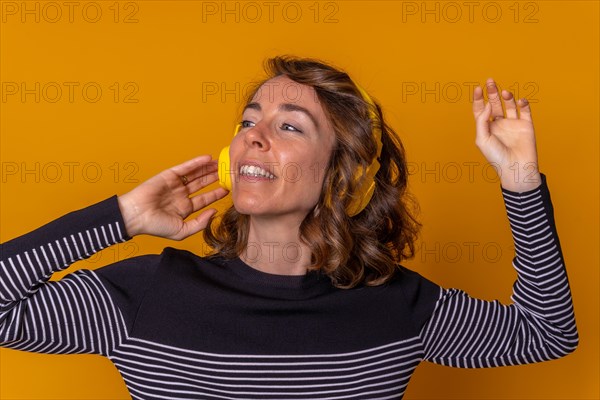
225 164
365 178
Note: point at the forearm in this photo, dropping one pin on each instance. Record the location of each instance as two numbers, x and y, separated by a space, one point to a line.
30 259
67 316
540 325
542 289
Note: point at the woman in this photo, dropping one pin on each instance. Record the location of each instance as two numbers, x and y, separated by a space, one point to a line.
304 296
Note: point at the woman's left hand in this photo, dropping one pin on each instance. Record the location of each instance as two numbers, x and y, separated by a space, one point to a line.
507 141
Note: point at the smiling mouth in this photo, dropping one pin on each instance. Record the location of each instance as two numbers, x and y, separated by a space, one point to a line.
254 171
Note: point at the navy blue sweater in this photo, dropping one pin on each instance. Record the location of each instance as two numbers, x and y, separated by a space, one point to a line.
180 326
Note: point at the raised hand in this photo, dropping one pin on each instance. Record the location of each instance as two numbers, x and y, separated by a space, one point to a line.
160 205
507 141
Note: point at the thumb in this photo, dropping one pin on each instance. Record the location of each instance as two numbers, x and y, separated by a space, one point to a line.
482 125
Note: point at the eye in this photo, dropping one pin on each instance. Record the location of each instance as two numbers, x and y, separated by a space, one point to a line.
293 128
246 123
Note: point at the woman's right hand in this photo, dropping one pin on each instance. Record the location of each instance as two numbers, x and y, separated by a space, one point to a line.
160 205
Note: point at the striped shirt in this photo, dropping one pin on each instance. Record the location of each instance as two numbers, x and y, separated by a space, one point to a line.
180 326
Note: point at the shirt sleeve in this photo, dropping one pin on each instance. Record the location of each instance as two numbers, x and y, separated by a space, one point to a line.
539 325
75 314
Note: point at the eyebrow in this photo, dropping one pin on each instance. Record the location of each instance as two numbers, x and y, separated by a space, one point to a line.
286 107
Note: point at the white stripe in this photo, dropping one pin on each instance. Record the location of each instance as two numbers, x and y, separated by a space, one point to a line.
85 250
91 241
64 263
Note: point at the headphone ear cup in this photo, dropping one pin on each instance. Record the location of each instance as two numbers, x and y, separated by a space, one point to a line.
365 187
225 169
225 164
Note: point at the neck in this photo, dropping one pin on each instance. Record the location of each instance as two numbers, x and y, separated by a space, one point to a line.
274 247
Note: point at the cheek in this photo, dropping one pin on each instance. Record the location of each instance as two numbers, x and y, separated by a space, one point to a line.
234 148
313 174
235 151
295 173
301 171
319 167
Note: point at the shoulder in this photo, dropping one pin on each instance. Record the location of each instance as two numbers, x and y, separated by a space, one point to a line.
419 294
141 269
414 284
130 281
135 270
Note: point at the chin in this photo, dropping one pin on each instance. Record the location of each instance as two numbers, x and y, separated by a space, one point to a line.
248 206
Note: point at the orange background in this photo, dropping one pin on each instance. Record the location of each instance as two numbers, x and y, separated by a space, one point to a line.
127 89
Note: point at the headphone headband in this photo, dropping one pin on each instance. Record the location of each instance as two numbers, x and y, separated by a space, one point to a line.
374 117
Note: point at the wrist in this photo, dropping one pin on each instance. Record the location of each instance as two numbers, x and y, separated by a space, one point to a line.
527 183
519 176
130 214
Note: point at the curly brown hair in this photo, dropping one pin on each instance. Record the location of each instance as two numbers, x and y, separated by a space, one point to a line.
363 249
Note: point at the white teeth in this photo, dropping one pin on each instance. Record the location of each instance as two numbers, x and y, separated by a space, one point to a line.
254 171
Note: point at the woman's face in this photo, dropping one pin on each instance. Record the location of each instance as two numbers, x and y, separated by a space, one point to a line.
280 154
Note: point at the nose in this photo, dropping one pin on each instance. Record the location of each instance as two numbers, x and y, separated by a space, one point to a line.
258 137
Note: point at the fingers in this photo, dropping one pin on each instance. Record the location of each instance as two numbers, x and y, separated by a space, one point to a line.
196 173
478 101
514 110
524 110
494 99
481 111
200 222
196 224
202 200
195 183
509 104
194 167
